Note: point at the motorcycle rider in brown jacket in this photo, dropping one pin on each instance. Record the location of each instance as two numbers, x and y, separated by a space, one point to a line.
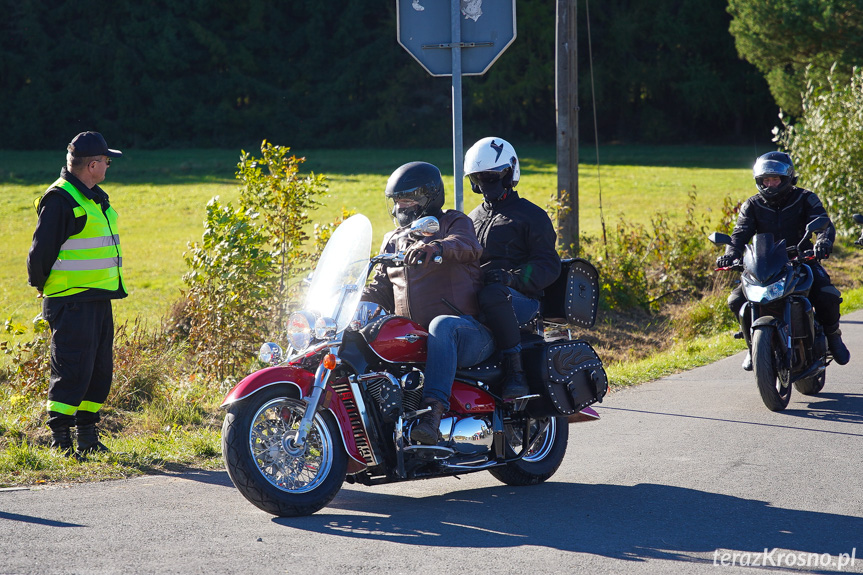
439 296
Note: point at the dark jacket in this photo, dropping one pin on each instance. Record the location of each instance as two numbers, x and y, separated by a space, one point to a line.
56 224
786 221
517 235
417 291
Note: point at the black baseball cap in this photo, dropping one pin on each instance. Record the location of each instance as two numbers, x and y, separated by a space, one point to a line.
89 144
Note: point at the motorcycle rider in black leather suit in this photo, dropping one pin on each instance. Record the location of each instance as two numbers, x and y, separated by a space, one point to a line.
519 259
783 209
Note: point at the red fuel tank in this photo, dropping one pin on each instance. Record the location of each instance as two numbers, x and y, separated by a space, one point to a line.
397 339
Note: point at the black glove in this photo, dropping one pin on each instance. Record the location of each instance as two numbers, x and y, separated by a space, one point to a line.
422 254
823 249
499 276
726 261
859 242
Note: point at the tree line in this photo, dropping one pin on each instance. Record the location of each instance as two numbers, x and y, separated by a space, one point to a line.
216 73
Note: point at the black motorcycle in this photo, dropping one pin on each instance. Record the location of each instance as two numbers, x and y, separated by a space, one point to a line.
787 342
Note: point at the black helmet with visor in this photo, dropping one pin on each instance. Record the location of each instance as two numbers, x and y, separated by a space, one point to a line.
774 164
414 190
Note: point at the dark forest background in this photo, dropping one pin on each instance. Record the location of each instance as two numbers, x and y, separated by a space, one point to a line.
220 73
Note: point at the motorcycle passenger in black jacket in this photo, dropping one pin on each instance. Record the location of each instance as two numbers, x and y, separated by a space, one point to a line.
787 219
519 259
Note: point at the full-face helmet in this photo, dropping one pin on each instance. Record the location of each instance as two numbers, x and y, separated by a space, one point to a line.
774 164
415 190
492 166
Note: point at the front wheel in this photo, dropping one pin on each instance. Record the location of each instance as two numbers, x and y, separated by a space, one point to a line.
544 455
773 384
256 445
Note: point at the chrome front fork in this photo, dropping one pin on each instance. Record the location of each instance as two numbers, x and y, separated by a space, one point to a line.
297 445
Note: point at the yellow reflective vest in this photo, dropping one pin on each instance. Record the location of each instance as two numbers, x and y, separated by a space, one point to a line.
91 259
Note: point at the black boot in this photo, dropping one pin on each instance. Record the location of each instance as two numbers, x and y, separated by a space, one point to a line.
88 440
514 383
841 355
61 438
427 429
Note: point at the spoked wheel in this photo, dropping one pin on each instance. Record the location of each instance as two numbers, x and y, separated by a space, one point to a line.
773 383
257 447
545 453
811 385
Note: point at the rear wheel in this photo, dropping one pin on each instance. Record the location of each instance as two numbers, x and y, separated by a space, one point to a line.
550 437
811 385
773 383
256 446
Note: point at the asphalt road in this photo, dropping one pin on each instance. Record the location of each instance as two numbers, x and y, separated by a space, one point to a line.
688 474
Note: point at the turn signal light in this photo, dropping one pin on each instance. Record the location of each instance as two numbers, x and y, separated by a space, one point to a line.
329 361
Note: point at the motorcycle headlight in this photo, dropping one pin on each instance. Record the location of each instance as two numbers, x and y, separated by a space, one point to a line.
325 327
300 329
270 353
764 294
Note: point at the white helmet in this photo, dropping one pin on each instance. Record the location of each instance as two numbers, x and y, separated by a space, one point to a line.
492 155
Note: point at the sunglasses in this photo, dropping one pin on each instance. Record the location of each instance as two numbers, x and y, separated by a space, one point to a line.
106 160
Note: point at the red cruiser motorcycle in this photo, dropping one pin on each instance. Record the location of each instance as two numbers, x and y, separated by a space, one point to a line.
341 405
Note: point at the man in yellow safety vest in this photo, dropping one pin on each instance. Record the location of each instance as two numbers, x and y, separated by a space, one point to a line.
76 263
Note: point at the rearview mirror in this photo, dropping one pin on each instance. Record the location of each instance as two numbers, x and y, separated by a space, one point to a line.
427 226
720 239
817 225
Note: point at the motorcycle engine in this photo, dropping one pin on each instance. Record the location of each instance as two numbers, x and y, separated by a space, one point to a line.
397 399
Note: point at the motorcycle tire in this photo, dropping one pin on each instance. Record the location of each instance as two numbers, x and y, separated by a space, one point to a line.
254 435
544 457
772 383
811 385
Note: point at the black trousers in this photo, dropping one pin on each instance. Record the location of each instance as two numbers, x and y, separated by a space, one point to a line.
82 359
824 296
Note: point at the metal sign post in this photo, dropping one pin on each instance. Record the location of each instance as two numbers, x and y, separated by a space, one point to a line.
486 29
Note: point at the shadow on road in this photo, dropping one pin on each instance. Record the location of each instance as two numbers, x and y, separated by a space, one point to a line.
639 522
806 413
209 477
841 407
36 520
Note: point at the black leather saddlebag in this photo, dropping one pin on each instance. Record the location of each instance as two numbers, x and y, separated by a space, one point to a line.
574 297
568 376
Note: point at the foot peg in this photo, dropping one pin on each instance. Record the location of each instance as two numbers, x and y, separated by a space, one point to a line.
519 403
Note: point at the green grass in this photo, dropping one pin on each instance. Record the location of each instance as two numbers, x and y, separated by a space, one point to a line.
161 198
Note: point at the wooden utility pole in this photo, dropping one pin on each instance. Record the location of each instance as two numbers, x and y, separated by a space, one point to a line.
566 102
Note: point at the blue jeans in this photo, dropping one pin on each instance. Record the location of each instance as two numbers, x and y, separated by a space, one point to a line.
454 341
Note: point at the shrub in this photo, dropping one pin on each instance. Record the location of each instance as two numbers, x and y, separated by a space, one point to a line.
29 360
826 143
641 266
243 274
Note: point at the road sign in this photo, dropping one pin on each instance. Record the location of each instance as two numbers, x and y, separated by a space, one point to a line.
424 30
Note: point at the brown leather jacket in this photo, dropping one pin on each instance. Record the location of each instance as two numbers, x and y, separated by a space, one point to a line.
418 291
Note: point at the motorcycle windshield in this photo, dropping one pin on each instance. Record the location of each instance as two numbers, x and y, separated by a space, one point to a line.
340 275
764 258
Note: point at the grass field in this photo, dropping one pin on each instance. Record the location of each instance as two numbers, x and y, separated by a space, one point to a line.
161 198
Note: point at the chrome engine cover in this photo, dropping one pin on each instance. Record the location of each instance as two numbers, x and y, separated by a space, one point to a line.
469 435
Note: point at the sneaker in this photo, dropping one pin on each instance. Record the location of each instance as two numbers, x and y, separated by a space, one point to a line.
747 361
